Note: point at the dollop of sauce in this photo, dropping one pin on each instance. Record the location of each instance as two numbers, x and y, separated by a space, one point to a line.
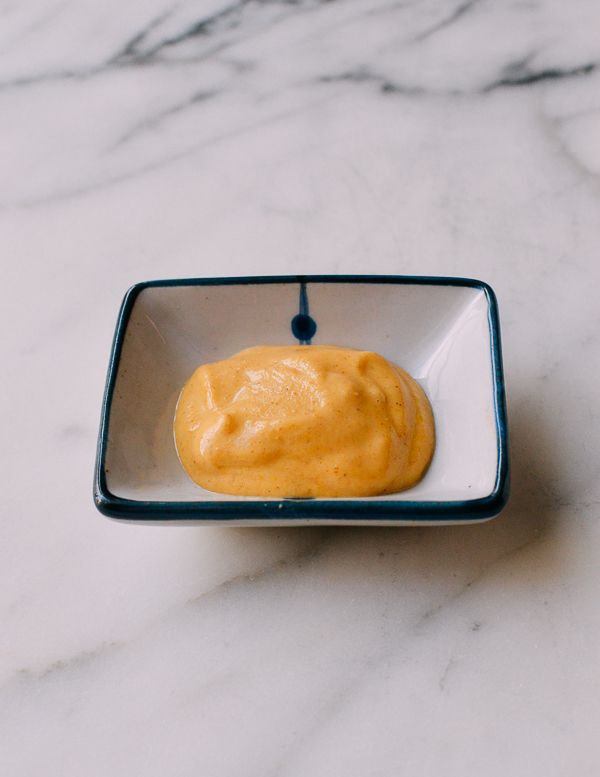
304 421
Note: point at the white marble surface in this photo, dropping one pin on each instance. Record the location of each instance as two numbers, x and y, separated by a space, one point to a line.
153 139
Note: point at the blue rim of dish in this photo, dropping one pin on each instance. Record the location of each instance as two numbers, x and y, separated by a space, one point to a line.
330 510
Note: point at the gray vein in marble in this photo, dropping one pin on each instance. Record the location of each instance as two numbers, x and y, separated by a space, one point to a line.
86 657
445 673
516 74
138 172
134 52
552 127
432 612
226 19
348 687
156 119
453 16
129 50
51 76
363 75
298 560
79 660
520 74
69 194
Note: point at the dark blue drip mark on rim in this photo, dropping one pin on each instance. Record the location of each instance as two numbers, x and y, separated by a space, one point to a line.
303 326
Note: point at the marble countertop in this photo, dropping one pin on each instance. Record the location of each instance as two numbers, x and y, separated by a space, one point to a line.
162 139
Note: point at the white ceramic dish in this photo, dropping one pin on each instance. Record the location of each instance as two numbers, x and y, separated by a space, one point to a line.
444 331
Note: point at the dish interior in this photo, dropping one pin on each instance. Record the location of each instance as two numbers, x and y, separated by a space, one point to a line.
439 334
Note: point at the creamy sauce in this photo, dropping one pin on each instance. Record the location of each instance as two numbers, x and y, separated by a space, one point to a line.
304 421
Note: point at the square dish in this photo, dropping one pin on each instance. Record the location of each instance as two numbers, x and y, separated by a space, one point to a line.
444 331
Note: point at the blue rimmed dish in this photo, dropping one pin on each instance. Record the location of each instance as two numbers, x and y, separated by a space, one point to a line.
443 331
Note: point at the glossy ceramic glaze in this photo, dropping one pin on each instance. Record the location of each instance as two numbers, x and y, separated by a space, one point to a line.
443 331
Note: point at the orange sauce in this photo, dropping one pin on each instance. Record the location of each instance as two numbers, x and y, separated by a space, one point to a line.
304 421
